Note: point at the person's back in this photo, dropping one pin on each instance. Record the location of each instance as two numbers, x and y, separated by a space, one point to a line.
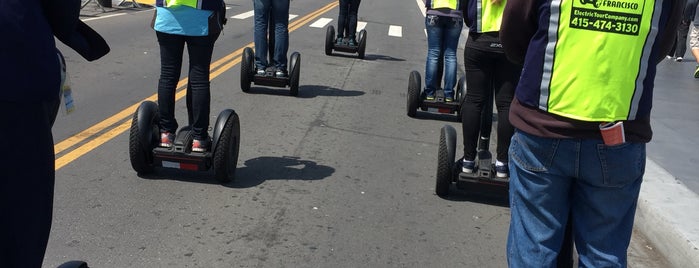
582 118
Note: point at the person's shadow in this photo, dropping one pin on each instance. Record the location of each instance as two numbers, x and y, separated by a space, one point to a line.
312 91
257 170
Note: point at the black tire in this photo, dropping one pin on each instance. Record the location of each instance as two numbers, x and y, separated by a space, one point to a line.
295 63
445 160
329 40
227 148
413 93
247 69
143 137
460 94
362 44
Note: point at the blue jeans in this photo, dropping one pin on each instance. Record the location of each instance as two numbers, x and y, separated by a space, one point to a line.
442 38
597 184
279 10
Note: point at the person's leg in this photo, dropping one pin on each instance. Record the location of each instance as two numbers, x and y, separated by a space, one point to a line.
352 24
478 68
280 11
434 47
261 18
27 182
452 31
541 174
171 49
604 201
694 46
342 19
505 79
682 32
200 49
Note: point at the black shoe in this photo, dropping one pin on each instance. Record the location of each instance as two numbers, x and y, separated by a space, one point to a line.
280 73
338 41
352 42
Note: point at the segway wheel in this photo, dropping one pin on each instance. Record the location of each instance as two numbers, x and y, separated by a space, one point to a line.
247 69
143 137
413 93
362 43
295 63
445 160
329 40
459 93
227 145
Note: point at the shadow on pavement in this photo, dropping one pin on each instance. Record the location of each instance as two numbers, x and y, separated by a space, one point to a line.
258 170
374 57
479 193
311 91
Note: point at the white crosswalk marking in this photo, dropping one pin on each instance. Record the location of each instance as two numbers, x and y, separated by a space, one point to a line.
361 25
396 31
245 15
320 23
292 16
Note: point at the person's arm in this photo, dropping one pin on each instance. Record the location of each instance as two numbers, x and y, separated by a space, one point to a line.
64 18
669 33
519 23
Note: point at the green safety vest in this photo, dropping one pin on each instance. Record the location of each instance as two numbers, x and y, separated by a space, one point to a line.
450 4
597 58
489 16
190 3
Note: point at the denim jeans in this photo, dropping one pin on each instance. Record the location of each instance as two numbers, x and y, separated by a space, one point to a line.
279 10
200 49
442 36
597 184
347 20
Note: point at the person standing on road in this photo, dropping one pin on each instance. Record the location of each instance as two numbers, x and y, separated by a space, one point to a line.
278 10
196 23
31 74
488 73
693 8
680 46
443 21
347 22
582 117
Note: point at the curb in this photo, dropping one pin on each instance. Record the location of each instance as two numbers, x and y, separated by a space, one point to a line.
667 215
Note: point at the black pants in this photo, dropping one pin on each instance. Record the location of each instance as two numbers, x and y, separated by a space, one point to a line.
26 182
200 49
487 73
347 21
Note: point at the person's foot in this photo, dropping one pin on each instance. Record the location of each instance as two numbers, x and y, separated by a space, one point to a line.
200 145
166 139
352 42
280 73
449 98
261 71
696 72
679 59
339 40
467 166
502 170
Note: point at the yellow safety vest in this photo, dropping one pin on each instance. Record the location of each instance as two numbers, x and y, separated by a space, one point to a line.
450 4
190 3
489 16
597 57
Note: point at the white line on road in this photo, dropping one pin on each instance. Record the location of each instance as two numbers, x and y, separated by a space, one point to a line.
361 25
396 31
320 23
104 17
244 15
292 16
421 5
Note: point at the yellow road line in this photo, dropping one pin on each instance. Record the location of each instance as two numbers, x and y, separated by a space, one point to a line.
225 63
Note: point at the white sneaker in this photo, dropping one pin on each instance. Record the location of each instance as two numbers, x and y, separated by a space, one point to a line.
679 59
467 166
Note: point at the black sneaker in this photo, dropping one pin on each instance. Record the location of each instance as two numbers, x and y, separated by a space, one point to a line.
352 42
502 171
339 41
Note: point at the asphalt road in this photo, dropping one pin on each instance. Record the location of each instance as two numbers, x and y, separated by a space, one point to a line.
336 177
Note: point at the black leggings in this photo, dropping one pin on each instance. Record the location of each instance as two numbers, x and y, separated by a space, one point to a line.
347 21
487 73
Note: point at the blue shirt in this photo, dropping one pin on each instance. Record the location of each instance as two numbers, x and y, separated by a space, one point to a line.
182 20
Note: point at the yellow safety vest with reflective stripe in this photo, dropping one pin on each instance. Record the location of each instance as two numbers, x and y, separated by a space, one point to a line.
190 3
450 4
489 16
596 58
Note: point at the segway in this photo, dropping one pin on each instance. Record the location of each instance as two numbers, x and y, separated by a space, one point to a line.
145 154
344 46
416 96
248 70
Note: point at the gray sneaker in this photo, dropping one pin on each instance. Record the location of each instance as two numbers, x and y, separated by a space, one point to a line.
261 71
280 73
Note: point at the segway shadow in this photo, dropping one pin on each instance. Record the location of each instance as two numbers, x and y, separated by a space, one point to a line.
344 46
145 154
